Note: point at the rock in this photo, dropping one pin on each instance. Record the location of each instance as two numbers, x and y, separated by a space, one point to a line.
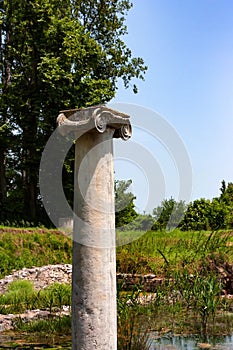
7 322
61 273
42 277
147 283
204 345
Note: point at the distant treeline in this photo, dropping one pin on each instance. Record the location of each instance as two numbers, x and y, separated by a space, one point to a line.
201 214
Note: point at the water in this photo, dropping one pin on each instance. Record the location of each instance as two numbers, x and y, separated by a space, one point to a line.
194 342
167 342
30 342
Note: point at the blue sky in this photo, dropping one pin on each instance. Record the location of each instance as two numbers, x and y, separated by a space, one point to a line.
188 48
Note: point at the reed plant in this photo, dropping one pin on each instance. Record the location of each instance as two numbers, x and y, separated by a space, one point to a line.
55 295
190 292
199 292
52 325
160 252
22 296
133 331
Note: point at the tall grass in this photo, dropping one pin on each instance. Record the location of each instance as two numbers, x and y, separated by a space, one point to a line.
133 333
162 251
32 247
199 292
189 298
155 252
184 259
184 303
22 296
53 325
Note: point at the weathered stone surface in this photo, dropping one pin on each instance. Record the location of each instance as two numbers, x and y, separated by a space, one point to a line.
94 319
7 322
147 283
49 274
40 276
98 118
61 273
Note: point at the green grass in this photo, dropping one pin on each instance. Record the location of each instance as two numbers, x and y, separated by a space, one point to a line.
178 306
160 252
58 325
22 296
150 252
32 247
188 301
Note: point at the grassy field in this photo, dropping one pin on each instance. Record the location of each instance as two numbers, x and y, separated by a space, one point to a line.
21 295
160 252
32 247
189 301
153 252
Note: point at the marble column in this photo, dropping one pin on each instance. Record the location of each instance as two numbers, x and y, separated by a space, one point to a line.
94 317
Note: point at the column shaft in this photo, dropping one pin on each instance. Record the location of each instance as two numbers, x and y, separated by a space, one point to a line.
94 320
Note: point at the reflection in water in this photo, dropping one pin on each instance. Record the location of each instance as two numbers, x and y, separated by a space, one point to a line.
170 342
167 342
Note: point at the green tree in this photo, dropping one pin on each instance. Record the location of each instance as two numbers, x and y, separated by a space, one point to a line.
197 215
143 222
217 215
55 55
203 214
124 203
226 193
226 200
169 214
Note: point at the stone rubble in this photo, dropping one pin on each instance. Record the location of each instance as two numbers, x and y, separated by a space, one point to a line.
7 322
147 283
41 277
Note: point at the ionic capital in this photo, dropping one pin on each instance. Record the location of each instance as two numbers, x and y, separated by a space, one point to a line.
97 118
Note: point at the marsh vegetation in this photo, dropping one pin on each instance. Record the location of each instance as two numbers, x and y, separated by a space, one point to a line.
190 300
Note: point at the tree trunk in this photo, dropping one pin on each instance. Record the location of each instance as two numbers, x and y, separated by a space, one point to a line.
3 189
29 179
5 80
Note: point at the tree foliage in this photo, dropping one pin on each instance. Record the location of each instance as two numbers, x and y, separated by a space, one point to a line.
226 200
169 214
142 222
212 214
124 203
55 55
197 215
201 214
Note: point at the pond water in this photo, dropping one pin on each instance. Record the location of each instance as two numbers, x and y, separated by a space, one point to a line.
26 342
166 342
194 342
